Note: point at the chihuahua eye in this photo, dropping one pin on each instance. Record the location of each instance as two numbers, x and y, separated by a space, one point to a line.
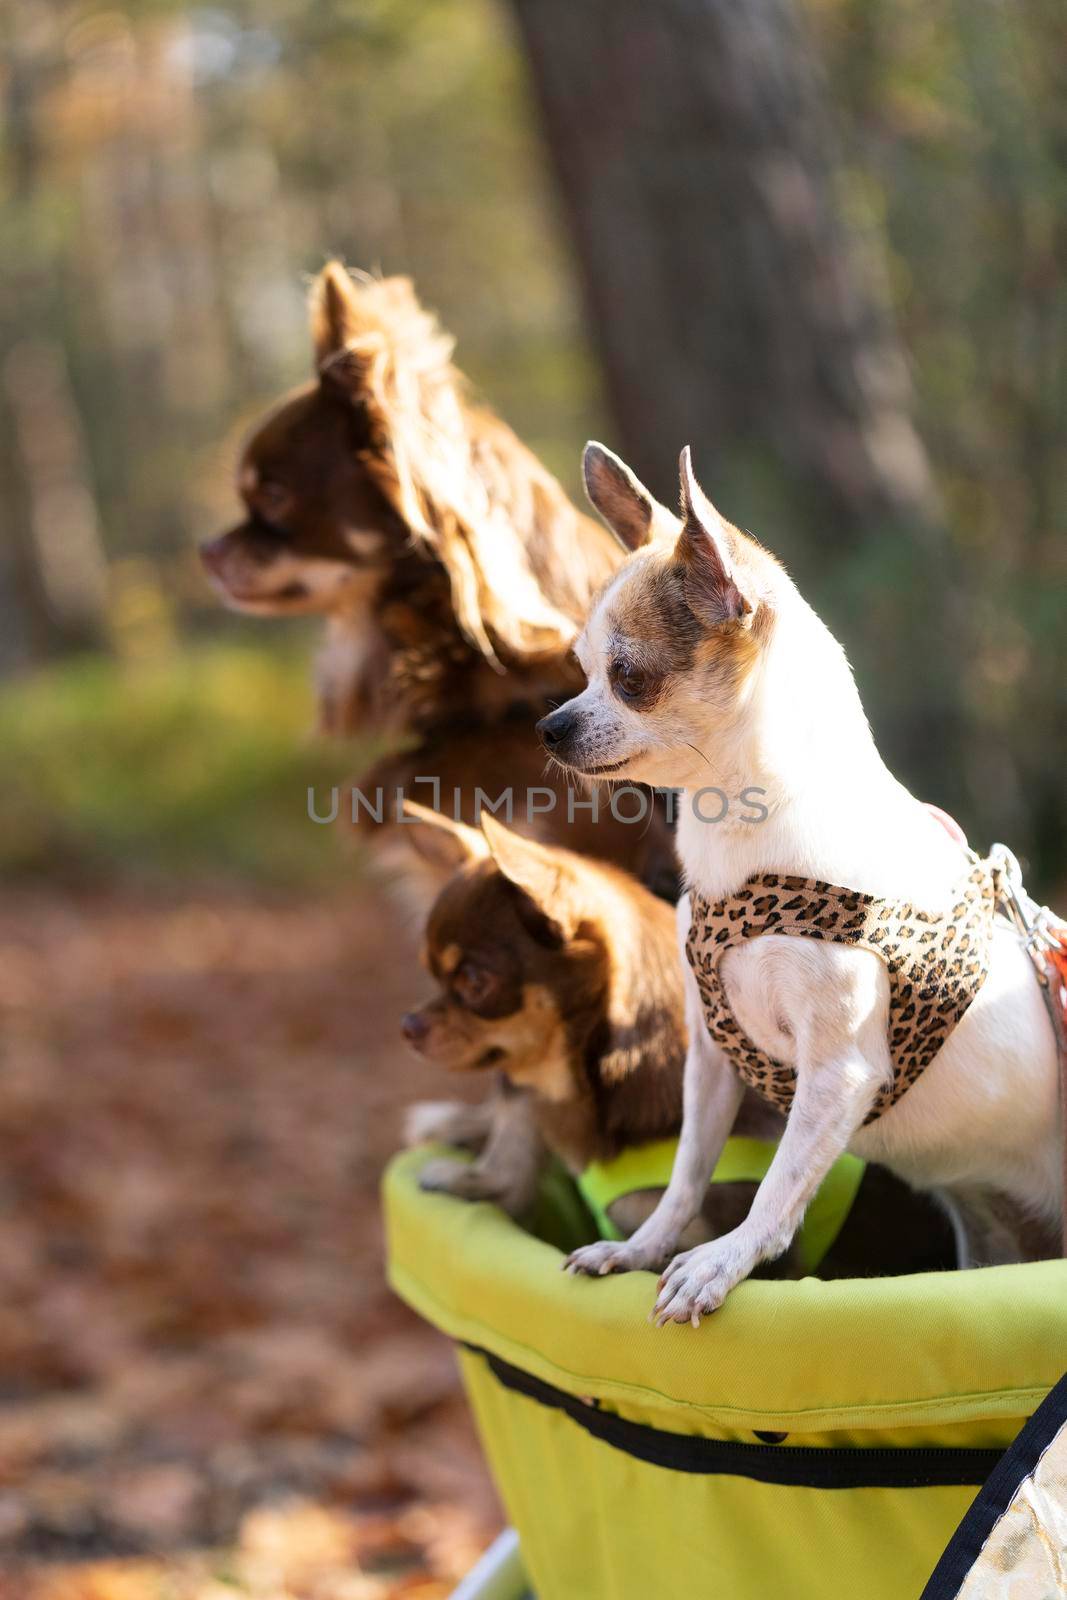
273 500
473 984
629 680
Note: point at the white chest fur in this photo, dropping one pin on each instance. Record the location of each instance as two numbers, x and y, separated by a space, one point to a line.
983 1113
985 1110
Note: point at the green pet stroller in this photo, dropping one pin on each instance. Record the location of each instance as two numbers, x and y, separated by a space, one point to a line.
811 1441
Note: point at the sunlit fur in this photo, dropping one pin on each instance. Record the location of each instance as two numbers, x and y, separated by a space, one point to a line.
559 974
697 674
444 557
767 700
450 569
580 998
583 1013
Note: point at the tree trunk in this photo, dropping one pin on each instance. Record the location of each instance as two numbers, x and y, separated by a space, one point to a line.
51 559
737 310
25 625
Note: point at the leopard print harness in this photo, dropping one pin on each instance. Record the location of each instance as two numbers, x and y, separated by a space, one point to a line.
937 962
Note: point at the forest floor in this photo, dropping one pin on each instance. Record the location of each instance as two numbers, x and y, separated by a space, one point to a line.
208 1391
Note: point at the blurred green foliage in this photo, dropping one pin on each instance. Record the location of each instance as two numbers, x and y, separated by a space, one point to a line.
953 119
194 767
173 175
172 172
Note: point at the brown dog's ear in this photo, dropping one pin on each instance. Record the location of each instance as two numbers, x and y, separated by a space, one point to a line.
715 587
621 498
441 840
376 344
539 871
334 315
378 348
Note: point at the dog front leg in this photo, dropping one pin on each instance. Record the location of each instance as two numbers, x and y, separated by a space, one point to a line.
712 1095
829 1105
453 1122
509 1167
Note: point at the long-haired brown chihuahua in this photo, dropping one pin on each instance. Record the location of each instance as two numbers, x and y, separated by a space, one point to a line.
562 974
435 545
451 570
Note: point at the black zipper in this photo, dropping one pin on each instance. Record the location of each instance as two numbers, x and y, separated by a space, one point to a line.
801 1466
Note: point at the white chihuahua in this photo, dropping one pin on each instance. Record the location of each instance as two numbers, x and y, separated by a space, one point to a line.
707 668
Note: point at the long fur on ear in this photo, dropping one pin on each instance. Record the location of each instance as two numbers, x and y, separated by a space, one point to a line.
540 871
621 498
645 1037
334 313
458 478
714 586
442 840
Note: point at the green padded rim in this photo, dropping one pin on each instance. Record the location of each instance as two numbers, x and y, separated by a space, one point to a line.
941 1348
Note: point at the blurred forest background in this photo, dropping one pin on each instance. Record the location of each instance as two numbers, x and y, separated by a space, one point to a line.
825 242
826 247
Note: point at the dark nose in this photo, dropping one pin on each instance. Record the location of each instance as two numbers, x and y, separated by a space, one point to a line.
414 1027
556 728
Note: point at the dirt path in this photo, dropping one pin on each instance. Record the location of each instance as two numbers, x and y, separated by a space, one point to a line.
206 1390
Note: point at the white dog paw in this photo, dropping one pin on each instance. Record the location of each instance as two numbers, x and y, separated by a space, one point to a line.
606 1256
468 1180
431 1122
697 1282
444 1176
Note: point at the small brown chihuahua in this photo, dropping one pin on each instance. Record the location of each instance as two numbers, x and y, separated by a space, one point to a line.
562 974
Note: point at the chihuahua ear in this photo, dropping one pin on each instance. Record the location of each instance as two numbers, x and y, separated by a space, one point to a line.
441 840
538 870
620 497
334 316
715 588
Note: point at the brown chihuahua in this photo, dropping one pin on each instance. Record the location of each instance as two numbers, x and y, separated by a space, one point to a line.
449 567
435 545
451 570
562 974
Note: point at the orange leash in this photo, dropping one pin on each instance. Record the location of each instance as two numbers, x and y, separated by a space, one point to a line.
1059 961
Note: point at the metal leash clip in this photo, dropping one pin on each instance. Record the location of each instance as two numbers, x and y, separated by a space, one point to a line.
1039 931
